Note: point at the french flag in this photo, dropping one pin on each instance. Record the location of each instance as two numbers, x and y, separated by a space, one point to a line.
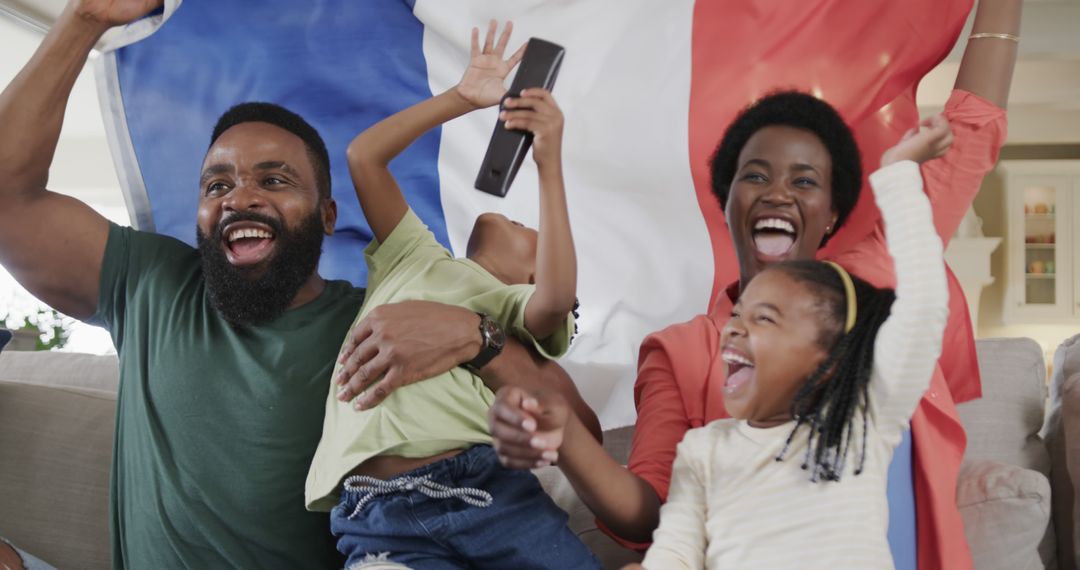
647 88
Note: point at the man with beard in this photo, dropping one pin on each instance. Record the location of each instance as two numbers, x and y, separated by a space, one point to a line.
225 351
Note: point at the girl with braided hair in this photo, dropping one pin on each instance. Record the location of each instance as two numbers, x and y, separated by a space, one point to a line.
824 372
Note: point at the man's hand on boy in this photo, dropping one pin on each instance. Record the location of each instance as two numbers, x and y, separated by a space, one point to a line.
402 343
537 112
528 427
482 85
929 140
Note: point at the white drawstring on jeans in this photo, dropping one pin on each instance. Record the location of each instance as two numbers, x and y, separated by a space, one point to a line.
371 487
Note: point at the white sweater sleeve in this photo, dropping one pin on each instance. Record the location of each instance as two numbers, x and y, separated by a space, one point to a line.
909 342
681 539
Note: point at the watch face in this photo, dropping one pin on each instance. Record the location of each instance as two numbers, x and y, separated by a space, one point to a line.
494 333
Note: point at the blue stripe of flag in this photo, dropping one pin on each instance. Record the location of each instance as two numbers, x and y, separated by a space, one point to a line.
342 65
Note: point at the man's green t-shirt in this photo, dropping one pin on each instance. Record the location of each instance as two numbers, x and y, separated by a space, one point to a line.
216 424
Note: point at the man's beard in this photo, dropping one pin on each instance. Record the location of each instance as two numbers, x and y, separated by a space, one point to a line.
241 297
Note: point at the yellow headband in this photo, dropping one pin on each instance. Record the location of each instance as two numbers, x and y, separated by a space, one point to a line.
849 294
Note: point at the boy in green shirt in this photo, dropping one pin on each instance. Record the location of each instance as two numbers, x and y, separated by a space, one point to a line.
416 477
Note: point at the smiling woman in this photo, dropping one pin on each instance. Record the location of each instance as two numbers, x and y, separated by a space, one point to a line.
787 174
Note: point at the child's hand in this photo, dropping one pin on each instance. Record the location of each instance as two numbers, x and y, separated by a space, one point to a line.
527 428
536 111
930 139
482 84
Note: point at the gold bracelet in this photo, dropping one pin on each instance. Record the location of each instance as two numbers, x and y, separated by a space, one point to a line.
1009 37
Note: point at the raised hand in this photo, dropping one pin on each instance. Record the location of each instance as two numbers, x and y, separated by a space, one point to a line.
482 84
930 139
536 111
109 13
528 428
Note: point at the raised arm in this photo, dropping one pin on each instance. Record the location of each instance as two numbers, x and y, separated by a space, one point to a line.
371 151
987 67
556 262
51 243
909 342
976 112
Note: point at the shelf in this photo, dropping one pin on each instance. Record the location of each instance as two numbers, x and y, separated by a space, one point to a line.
1040 275
1047 217
1040 245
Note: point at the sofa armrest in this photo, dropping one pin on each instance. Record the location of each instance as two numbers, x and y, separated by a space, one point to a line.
1006 511
55 456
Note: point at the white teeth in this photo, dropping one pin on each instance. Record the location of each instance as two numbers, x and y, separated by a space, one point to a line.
249 233
774 224
733 358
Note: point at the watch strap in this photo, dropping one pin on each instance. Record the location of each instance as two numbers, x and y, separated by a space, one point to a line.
488 350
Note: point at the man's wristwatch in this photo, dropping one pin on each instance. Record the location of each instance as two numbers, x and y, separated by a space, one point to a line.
493 338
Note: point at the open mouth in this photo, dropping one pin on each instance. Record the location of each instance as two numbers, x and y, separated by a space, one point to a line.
247 243
774 237
740 370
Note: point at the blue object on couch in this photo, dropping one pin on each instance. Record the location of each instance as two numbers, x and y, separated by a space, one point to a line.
5 337
903 535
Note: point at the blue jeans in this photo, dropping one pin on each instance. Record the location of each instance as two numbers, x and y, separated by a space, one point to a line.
522 528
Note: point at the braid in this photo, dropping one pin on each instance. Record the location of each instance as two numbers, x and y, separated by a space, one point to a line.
837 391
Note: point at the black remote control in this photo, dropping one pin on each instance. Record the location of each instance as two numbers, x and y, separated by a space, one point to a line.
506 151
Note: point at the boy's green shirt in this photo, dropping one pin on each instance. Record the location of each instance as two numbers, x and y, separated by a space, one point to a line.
436 415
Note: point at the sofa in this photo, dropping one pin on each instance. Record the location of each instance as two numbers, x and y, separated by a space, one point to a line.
1015 492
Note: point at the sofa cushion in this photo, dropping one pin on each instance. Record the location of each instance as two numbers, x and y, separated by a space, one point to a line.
1006 511
56 446
1004 424
61 369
